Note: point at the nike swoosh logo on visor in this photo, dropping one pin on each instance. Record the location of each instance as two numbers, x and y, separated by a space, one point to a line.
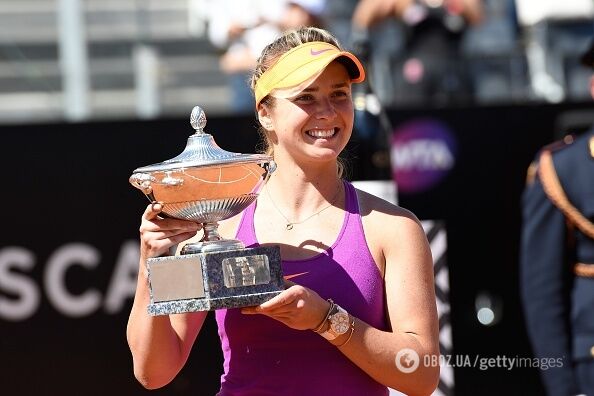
318 52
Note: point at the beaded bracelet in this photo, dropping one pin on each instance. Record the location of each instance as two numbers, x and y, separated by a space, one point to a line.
319 328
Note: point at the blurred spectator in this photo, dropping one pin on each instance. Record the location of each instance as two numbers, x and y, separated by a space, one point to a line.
553 32
557 260
494 55
430 69
300 13
242 29
338 15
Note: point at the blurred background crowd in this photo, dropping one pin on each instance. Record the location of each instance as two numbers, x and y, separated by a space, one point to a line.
97 59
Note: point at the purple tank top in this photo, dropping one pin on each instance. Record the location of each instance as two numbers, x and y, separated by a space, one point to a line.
264 357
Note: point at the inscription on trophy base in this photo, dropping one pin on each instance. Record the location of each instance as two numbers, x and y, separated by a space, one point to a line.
176 278
209 281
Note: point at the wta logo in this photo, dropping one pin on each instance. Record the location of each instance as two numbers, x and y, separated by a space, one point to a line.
423 153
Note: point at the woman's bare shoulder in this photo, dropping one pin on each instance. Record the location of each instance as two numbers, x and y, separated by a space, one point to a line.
390 230
375 208
387 225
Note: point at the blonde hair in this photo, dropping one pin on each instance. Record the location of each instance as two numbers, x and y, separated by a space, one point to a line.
290 39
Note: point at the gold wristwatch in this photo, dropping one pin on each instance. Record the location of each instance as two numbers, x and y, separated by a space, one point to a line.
339 321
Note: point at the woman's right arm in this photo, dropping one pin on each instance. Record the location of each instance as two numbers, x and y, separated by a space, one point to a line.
160 345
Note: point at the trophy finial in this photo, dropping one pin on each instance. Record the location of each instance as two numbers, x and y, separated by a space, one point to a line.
198 119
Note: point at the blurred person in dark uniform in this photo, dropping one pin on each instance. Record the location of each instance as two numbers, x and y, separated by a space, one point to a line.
557 260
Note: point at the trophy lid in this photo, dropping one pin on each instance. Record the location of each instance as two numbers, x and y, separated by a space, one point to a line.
202 151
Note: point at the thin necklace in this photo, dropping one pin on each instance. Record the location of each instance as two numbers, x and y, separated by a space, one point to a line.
290 224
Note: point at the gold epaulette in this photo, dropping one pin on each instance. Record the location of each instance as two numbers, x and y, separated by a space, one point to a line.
584 270
532 170
554 190
559 144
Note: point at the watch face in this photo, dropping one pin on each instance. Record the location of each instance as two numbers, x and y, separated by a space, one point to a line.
340 322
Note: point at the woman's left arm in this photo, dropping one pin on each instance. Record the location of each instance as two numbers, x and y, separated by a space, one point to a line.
411 312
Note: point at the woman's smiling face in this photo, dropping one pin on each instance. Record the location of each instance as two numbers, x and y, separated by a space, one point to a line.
317 122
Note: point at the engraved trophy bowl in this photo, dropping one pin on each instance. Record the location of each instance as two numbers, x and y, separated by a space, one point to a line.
205 184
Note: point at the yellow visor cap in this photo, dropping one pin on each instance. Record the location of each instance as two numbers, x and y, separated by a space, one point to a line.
303 62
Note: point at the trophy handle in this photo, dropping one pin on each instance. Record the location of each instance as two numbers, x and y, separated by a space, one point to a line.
142 181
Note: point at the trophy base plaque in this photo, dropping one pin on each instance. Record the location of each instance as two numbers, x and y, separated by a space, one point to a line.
214 280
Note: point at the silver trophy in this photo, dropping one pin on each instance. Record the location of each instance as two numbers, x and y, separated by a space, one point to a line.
207 184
